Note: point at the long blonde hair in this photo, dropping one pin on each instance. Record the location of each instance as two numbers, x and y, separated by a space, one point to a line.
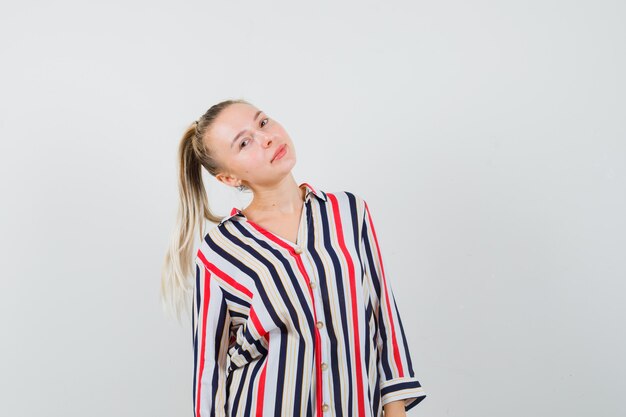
193 210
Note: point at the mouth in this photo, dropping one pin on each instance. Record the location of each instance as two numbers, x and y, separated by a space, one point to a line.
279 152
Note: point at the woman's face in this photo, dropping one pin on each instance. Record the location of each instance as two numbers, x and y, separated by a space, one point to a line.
245 139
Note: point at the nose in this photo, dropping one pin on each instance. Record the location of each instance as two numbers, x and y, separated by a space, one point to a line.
266 140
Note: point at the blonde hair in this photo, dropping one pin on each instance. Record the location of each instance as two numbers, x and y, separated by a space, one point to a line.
193 210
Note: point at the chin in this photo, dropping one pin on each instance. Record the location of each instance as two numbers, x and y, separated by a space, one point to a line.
286 165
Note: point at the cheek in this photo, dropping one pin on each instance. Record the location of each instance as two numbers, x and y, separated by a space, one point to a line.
280 131
251 159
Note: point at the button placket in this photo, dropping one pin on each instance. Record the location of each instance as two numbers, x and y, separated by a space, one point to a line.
320 324
325 371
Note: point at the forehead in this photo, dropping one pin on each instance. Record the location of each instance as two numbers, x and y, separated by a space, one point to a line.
228 123
233 118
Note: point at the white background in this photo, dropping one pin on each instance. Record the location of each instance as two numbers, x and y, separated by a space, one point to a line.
487 136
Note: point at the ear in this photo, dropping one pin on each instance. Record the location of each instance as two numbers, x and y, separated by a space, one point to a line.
227 179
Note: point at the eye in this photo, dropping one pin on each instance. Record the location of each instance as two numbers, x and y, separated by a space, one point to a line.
241 145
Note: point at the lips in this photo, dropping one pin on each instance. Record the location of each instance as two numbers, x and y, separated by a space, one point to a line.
278 151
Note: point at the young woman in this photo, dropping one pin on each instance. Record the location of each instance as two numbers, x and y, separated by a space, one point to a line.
292 313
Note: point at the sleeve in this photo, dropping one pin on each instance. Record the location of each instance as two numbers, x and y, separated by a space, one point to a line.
210 329
397 378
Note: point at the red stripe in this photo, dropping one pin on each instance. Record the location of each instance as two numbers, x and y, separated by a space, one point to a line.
223 275
353 297
396 351
259 408
271 236
205 308
257 323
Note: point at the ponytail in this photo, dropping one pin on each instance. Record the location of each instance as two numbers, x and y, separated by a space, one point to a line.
193 210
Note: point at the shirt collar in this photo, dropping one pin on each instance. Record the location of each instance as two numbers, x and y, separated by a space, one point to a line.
310 190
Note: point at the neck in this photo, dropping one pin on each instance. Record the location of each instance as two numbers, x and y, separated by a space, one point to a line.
284 198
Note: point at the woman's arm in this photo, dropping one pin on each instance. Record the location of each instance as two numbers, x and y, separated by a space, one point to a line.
398 382
394 409
211 327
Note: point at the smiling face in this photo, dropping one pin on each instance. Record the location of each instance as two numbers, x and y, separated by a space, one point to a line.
245 140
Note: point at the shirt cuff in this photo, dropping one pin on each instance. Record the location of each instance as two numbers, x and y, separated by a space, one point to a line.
406 388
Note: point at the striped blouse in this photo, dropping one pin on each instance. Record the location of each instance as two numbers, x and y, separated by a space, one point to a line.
305 328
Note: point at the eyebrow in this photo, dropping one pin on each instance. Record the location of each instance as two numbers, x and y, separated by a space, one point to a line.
244 131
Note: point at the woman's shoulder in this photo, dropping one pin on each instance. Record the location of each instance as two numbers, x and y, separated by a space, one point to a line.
216 246
348 196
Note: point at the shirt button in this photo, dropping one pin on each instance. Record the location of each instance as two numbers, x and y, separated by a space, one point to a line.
324 366
325 407
298 250
319 324
313 284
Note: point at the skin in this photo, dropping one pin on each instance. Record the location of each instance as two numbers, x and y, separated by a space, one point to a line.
394 409
277 198
249 161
